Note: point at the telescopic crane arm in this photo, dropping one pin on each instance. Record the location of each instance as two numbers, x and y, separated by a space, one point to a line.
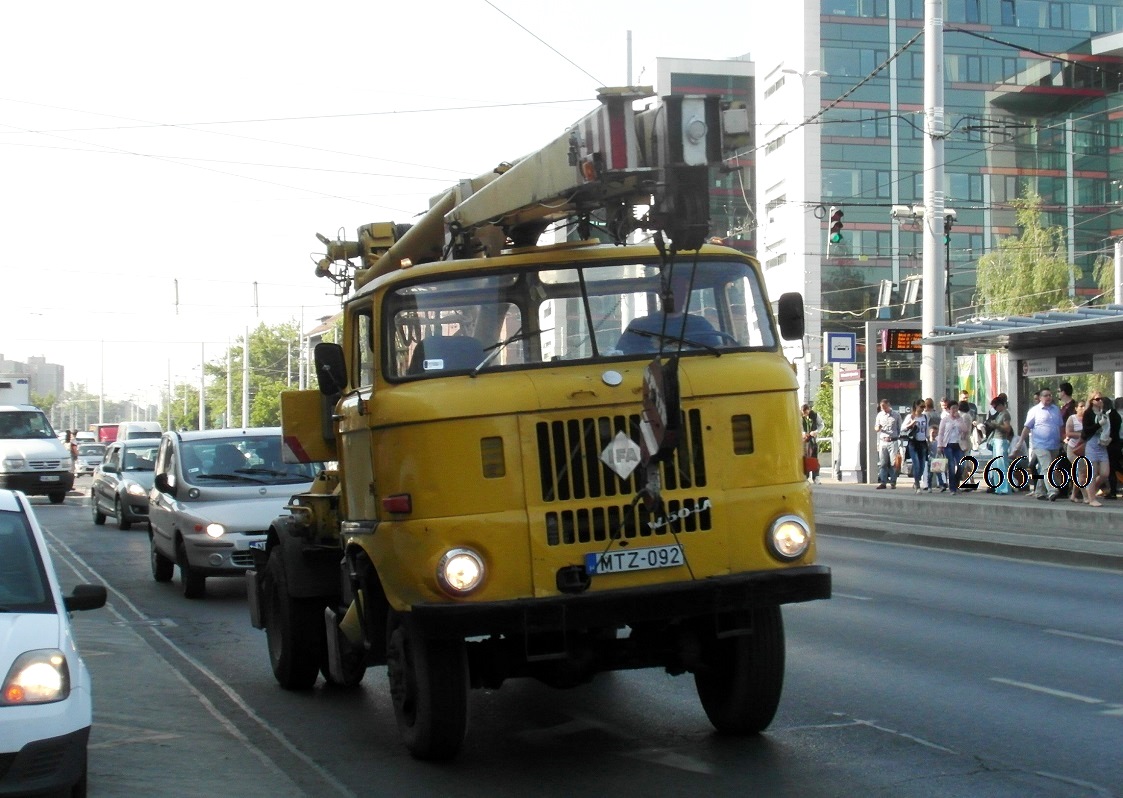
613 161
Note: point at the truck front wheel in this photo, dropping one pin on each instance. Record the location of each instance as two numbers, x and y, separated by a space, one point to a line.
294 629
429 689
741 677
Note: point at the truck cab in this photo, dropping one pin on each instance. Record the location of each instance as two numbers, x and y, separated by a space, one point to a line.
548 460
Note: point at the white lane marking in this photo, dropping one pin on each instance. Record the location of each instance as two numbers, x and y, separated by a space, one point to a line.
1037 688
836 594
905 735
201 697
1090 638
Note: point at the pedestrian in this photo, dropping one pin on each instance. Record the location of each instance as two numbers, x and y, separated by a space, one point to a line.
1096 434
934 417
1043 429
1114 449
1000 430
972 409
72 445
887 428
1067 405
1074 448
914 430
812 425
954 428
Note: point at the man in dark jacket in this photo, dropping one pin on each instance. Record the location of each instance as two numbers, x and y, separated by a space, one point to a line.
1114 450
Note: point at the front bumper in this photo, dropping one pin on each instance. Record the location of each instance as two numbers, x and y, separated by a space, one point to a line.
44 766
627 606
229 555
37 483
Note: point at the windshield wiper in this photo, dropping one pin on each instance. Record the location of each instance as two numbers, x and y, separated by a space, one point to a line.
228 477
499 347
673 339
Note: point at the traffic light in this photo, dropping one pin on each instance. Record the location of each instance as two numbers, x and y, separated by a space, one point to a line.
836 225
949 220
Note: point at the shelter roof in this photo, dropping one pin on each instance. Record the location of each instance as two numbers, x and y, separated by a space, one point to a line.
1043 330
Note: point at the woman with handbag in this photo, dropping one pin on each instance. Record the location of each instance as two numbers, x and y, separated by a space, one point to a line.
1074 448
812 425
1096 435
914 431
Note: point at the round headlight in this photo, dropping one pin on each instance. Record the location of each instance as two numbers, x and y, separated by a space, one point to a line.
460 571
789 537
216 530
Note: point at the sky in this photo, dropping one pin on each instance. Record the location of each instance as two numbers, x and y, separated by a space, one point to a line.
164 168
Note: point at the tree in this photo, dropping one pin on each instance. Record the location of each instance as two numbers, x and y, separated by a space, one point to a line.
1029 272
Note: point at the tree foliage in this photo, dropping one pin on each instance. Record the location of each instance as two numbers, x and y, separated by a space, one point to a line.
1029 272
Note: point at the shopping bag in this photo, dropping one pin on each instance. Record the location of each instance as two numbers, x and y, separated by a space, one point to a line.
897 461
939 465
810 465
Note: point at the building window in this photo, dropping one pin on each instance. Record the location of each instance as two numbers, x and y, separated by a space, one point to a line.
1009 15
961 10
1082 17
1056 16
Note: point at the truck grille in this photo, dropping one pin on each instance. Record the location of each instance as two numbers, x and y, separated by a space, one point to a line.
570 469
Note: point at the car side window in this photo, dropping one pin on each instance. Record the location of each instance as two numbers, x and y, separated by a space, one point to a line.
113 457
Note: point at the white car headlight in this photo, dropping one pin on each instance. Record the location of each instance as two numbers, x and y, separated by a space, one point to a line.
460 571
788 538
133 489
216 530
14 463
37 677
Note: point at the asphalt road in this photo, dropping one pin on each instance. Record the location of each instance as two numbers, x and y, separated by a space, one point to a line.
930 673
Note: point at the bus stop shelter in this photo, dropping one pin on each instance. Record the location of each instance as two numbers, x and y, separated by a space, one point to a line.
1076 341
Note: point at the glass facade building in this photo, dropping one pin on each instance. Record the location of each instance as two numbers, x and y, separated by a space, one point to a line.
1032 105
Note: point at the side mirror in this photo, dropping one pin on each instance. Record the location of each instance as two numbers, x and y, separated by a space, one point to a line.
85 597
790 315
165 483
331 369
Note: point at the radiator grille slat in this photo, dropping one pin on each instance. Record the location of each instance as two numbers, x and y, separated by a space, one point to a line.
601 524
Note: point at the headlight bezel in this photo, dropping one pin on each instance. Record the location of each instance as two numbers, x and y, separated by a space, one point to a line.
782 544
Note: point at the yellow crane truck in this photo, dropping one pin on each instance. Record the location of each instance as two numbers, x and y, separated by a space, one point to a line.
549 460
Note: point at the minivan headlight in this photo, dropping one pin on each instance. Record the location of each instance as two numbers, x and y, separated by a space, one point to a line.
14 463
135 489
216 530
41 676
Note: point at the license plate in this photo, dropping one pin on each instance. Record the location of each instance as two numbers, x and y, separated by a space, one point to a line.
644 559
49 478
257 544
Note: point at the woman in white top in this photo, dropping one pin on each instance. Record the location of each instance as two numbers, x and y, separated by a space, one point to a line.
1074 449
954 428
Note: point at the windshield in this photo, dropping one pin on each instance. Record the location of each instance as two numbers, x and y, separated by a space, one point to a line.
28 424
528 317
241 459
91 450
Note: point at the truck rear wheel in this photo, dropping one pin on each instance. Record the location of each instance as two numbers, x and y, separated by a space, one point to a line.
743 675
429 689
294 629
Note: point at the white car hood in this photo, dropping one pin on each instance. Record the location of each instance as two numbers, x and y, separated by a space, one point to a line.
36 448
26 631
240 515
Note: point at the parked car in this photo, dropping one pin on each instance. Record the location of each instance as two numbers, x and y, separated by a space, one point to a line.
90 456
120 486
214 496
45 702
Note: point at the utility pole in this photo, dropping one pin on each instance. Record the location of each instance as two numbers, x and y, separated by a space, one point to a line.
932 365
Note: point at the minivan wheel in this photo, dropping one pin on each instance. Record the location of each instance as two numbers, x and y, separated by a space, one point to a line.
162 567
99 516
57 497
194 583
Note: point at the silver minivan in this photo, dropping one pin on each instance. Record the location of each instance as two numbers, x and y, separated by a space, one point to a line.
214 496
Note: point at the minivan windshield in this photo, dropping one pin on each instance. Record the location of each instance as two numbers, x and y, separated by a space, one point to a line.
25 424
243 458
528 317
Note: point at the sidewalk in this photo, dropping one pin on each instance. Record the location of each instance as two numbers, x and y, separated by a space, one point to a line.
1014 525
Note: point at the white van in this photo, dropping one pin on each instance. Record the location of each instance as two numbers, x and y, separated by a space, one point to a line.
32 458
130 430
